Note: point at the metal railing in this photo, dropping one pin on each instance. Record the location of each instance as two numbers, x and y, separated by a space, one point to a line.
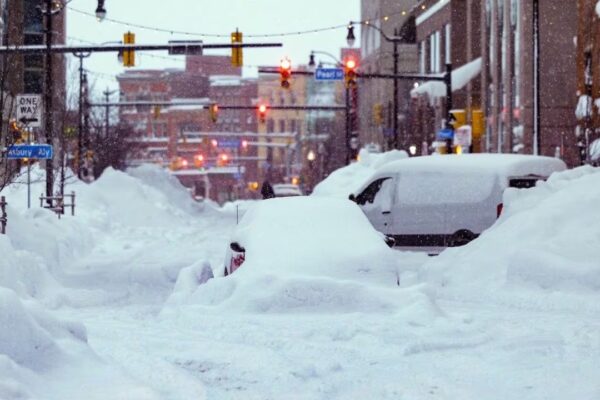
57 203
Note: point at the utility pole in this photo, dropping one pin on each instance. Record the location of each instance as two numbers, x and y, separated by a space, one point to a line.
449 104
536 78
49 89
348 149
395 100
80 132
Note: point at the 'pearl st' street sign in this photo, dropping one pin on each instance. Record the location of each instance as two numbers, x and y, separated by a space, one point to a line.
32 151
329 74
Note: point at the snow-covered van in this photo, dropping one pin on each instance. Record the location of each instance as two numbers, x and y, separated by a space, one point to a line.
441 201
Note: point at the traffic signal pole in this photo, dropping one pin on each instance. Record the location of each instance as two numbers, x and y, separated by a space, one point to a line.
48 92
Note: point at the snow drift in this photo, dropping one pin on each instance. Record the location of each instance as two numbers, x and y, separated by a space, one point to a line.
548 239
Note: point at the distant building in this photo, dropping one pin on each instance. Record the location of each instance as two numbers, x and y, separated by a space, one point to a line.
203 154
282 133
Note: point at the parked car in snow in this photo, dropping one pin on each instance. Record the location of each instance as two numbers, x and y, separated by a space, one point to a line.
306 234
441 201
286 190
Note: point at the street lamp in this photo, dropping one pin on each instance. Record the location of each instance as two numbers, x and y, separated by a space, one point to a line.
311 156
100 11
350 38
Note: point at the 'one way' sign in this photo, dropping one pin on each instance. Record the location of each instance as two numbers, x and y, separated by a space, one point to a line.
29 109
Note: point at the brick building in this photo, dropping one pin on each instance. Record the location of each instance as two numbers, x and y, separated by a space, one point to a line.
213 158
501 33
588 81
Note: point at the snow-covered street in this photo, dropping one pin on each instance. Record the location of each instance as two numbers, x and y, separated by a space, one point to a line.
488 320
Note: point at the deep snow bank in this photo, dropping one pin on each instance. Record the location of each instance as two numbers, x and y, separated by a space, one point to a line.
311 254
548 238
346 180
113 247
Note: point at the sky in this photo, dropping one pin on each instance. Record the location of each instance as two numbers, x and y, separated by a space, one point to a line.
207 17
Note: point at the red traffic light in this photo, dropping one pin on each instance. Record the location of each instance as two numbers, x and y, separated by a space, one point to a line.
262 112
285 69
350 64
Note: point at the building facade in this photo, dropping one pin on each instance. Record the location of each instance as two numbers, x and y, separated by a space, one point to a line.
215 158
394 18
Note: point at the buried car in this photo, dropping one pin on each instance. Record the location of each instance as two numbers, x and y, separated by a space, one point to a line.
314 236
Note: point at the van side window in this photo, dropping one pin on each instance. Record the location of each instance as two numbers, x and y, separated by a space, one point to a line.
368 195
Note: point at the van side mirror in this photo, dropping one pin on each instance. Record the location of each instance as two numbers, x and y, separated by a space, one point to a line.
352 197
235 246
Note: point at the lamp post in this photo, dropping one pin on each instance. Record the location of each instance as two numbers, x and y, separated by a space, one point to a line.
81 56
395 40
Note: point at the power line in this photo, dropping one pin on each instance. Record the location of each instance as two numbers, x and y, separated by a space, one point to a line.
216 35
366 21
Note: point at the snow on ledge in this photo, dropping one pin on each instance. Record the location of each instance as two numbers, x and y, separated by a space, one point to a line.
460 77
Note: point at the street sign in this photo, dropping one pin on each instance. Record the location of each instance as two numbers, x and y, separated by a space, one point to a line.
33 151
29 109
196 48
329 74
445 134
228 143
463 136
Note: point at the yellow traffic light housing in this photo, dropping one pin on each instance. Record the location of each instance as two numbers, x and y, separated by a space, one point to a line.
129 55
237 55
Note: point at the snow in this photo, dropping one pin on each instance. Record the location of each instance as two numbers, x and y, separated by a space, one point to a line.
126 300
346 180
595 150
598 8
460 78
584 107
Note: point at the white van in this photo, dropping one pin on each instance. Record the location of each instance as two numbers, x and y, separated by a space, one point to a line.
441 201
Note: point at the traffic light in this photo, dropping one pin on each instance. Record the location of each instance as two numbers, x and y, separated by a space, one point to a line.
198 160
262 113
350 66
458 118
223 160
285 70
129 55
237 55
213 110
14 130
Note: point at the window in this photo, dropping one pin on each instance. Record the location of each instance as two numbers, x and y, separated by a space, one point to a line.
368 195
282 125
422 55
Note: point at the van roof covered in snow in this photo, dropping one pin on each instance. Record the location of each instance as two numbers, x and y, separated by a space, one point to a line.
500 164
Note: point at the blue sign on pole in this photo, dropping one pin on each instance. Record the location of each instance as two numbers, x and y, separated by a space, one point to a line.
329 74
445 134
33 151
229 143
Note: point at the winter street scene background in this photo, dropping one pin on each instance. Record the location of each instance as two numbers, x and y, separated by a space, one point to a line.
318 200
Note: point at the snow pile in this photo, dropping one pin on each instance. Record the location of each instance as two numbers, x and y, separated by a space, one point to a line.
346 180
310 254
598 8
460 78
547 239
